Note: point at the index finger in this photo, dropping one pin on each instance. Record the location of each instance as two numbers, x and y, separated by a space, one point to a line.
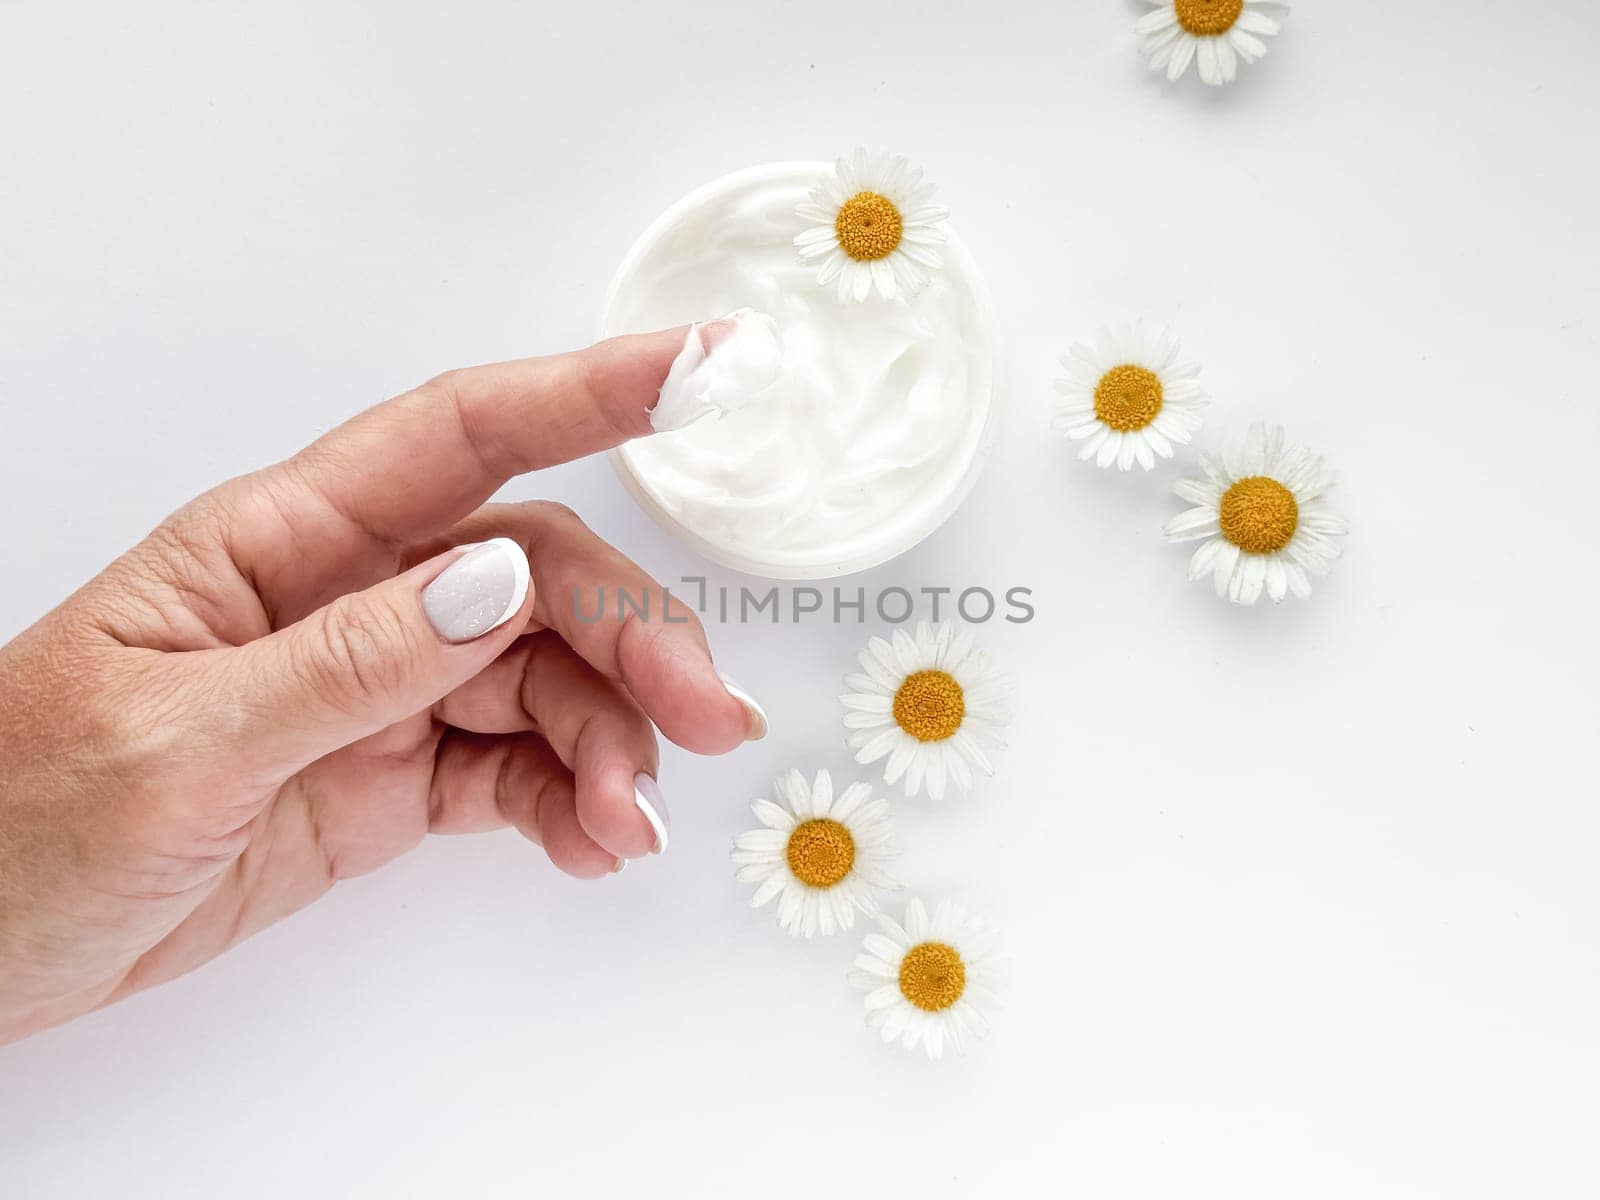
416 464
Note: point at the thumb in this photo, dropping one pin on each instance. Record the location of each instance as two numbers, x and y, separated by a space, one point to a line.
376 657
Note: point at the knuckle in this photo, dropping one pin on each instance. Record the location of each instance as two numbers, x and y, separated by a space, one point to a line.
444 387
361 651
447 393
594 379
554 512
680 616
175 568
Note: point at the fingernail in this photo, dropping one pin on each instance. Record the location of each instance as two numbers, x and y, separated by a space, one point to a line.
480 591
621 865
647 795
756 716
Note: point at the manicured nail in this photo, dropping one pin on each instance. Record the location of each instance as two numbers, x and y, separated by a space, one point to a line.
755 715
480 591
647 795
619 868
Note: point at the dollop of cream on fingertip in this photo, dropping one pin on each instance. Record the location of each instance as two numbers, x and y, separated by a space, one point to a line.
724 364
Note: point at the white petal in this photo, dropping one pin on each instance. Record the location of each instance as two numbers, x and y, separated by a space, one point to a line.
798 792
1182 55
895 1021
867 704
1205 558
1109 450
1249 47
883 278
1161 18
867 720
821 235
915 771
1252 21
1192 523
1195 491
1325 523
789 911
1254 459
1277 579
1127 451
1249 580
772 815
903 756
916 920
762 840
1298 583
1142 451
850 801
1227 562
1227 60
874 748
768 890
884 997
822 793
972 751
905 652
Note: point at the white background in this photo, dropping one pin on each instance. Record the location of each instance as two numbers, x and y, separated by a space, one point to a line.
1300 901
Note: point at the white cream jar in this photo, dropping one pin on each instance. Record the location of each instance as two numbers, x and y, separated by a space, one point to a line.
876 426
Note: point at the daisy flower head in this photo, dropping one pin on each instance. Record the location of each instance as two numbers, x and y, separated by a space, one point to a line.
1259 509
929 704
822 856
929 981
1214 33
1127 398
872 224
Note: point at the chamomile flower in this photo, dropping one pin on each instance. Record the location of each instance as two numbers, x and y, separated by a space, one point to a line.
1127 398
1216 33
928 704
928 981
873 224
1260 512
821 856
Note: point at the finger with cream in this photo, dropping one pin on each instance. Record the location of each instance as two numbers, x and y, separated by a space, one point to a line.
723 366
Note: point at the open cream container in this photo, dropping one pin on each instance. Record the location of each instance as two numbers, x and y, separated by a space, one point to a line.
881 416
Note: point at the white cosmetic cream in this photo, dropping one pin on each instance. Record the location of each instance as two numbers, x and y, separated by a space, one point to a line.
745 364
816 437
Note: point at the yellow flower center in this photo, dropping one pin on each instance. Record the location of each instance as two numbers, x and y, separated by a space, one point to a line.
1259 515
868 227
1127 398
1207 18
821 852
932 976
930 706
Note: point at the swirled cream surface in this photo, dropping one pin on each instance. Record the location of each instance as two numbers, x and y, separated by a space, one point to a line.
861 437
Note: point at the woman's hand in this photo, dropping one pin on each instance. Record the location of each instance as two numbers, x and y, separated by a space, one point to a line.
301 673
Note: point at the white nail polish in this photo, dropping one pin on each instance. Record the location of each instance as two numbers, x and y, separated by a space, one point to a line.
757 714
647 796
479 592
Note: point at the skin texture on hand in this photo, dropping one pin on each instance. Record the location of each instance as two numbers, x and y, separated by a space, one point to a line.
252 703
